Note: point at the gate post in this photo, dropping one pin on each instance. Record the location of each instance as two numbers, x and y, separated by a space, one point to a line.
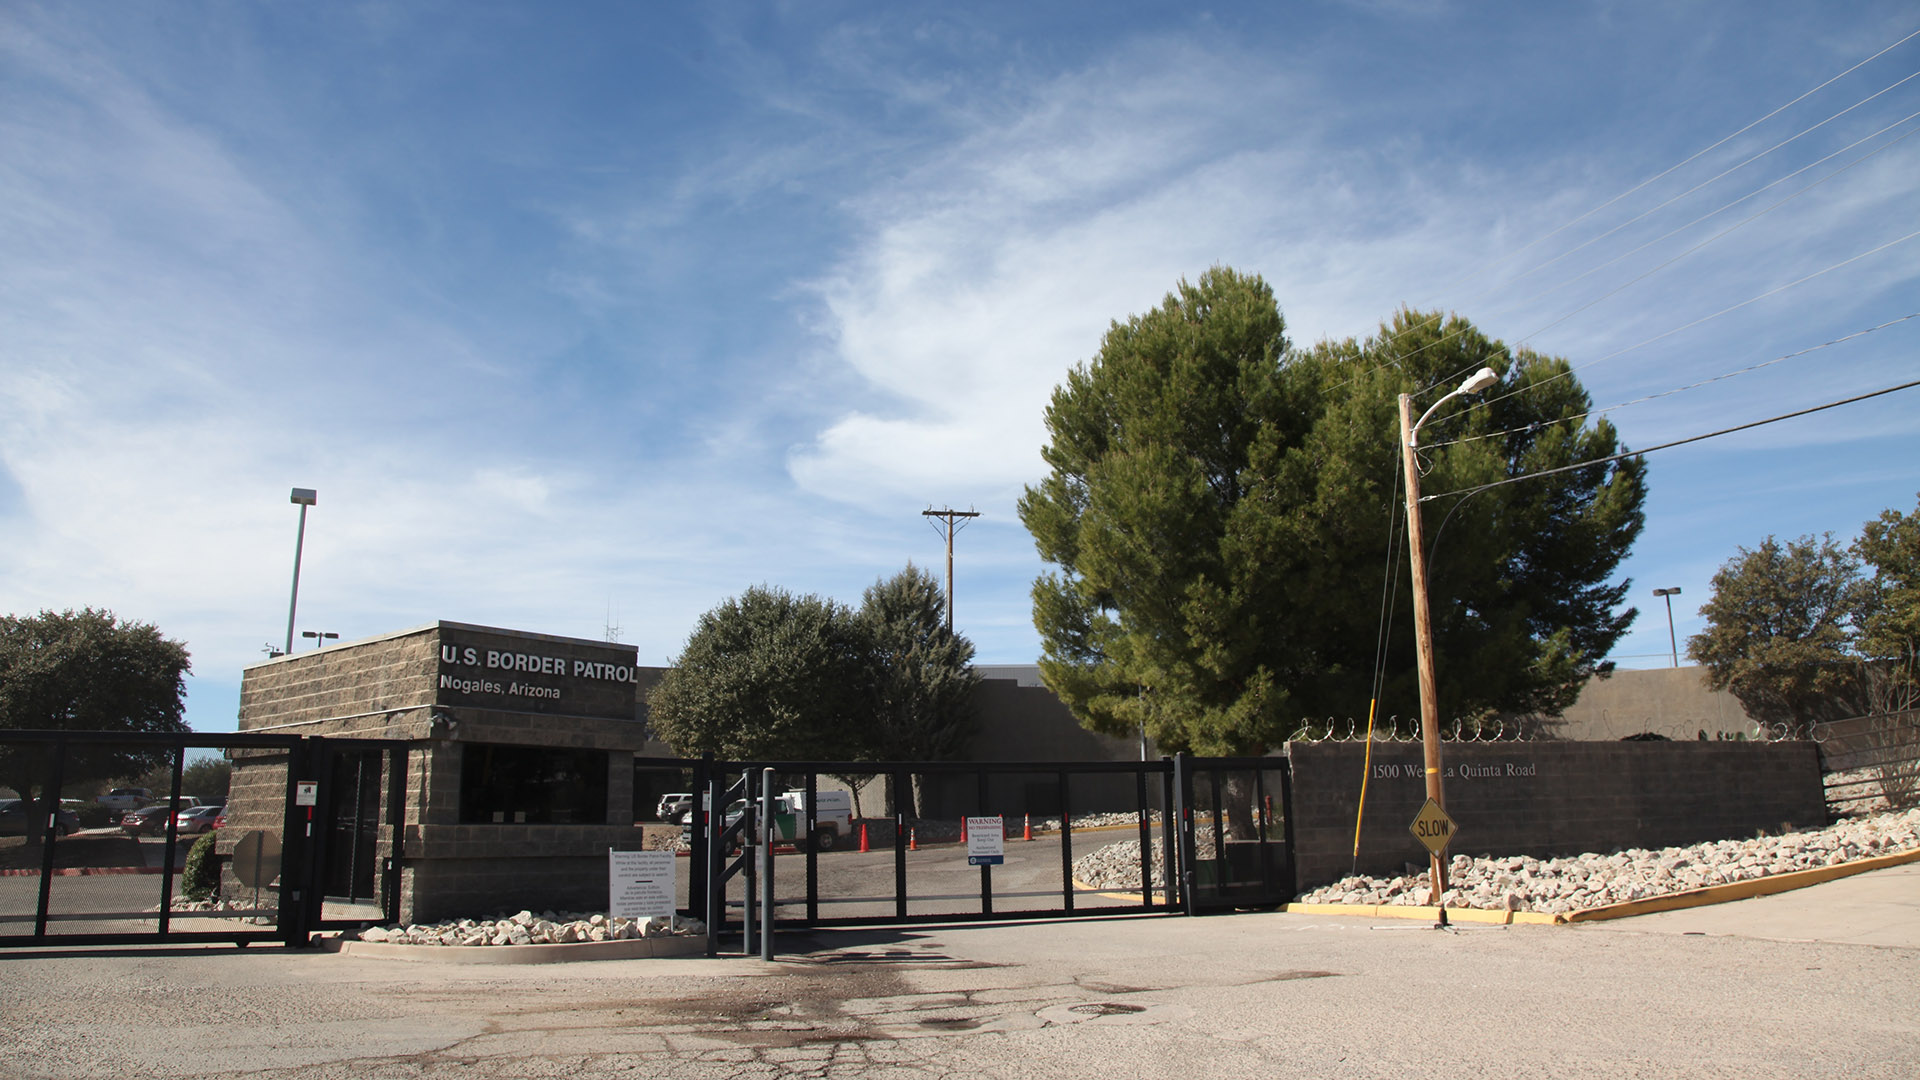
1183 809
716 860
768 828
698 866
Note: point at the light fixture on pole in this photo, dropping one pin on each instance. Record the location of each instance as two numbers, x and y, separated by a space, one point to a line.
319 637
1672 642
1422 617
305 497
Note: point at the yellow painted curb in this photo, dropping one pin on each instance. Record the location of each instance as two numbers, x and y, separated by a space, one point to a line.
1739 890
1426 914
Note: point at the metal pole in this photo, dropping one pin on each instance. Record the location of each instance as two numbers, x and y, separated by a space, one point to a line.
1423 638
1672 641
768 827
305 497
293 601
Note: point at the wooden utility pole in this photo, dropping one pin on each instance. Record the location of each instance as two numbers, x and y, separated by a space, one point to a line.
953 525
1423 637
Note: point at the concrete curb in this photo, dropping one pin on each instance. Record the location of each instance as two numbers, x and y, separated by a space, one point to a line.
1711 894
631 949
1739 890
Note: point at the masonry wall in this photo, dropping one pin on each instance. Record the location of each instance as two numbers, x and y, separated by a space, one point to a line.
1545 798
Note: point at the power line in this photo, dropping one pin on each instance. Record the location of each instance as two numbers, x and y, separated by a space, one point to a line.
1537 425
1389 338
1700 153
1669 445
1690 325
1670 234
1643 215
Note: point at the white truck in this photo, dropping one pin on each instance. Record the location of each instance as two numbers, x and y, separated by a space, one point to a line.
832 815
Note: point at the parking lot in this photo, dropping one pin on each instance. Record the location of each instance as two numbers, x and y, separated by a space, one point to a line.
1816 983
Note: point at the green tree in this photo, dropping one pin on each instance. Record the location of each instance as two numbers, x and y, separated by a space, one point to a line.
206 778
86 671
1220 507
1889 617
922 672
1780 629
768 676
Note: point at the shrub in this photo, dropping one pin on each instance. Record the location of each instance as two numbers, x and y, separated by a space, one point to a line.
200 880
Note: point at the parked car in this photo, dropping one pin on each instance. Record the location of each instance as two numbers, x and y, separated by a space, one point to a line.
673 804
13 819
126 798
199 819
146 821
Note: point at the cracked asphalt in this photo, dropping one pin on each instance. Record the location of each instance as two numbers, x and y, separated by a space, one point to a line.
1766 990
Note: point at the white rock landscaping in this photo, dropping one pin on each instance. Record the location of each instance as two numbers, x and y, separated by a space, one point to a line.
527 928
1576 882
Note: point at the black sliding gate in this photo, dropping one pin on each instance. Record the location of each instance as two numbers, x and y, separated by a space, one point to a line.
311 841
862 843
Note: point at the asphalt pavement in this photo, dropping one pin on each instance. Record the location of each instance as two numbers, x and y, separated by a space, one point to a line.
1817 983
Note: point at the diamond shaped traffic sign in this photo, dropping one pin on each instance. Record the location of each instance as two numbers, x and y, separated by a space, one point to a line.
1432 827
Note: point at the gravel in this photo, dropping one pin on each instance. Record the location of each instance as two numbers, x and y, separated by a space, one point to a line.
526 928
1574 882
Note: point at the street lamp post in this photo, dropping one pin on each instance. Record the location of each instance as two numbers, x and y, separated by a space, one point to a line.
305 497
319 637
1422 616
1672 642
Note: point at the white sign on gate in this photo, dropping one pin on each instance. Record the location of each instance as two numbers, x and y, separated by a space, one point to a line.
986 841
640 884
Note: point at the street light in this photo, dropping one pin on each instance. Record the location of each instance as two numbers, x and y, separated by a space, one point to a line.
305 497
1422 617
1672 641
319 637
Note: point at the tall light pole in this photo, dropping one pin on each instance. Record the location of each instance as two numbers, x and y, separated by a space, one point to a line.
305 497
1422 616
320 637
1672 642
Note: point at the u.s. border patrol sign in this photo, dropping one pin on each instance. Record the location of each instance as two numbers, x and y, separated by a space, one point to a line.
1432 827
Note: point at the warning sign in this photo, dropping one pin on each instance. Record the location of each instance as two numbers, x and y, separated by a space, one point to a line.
1432 827
986 841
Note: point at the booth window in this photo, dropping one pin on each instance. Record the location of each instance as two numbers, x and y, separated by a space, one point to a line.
532 785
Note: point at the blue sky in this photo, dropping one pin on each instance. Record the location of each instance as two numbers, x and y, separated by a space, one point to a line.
605 312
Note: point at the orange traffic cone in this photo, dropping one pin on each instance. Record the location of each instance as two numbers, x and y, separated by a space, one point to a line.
913 839
863 836
1026 831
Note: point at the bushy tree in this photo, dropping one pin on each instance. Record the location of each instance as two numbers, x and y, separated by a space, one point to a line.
922 669
768 676
86 671
1890 616
1780 628
922 672
1220 507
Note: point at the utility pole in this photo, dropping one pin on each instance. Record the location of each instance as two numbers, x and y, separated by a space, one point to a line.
1422 615
954 523
1423 635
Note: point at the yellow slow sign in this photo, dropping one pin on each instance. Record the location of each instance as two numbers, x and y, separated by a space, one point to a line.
1432 827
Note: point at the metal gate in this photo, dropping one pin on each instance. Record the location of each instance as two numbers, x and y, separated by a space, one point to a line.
1078 839
103 886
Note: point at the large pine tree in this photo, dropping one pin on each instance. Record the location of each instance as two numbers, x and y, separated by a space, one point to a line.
1221 509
